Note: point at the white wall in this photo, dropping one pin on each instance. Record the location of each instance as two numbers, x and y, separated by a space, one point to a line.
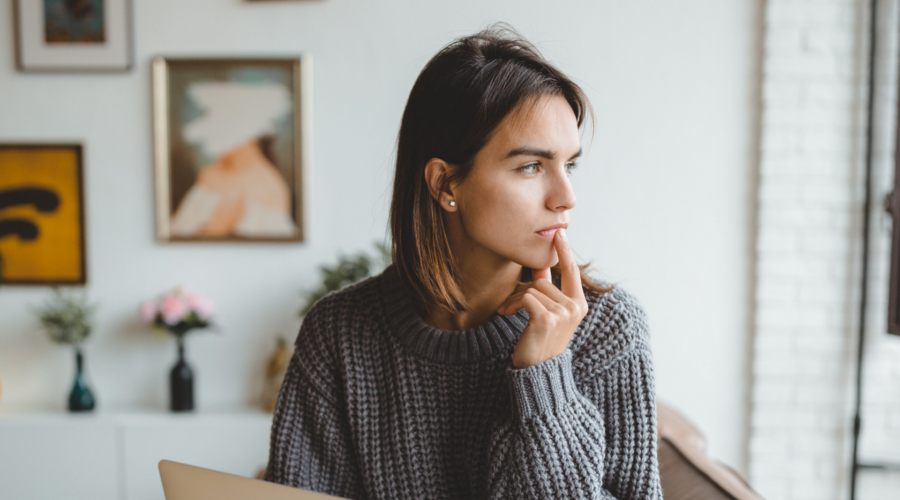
665 192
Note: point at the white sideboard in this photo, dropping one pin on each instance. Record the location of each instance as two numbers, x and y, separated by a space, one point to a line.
114 455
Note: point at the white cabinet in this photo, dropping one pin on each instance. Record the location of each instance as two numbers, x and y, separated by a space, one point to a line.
52 458
115 455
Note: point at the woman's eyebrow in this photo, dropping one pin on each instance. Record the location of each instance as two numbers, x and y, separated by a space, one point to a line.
543 153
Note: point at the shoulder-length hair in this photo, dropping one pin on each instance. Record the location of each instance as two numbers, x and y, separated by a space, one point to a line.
457 102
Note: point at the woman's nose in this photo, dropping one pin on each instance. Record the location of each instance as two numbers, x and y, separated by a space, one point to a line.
561 195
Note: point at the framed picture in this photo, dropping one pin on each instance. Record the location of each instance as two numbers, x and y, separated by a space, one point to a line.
41 215
232 147
73 35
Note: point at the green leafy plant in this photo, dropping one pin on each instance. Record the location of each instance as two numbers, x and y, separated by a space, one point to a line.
66 316
347 271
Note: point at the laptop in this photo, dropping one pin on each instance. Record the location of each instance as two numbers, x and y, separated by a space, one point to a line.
187 482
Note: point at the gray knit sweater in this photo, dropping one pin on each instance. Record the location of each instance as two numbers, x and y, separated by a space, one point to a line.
376 403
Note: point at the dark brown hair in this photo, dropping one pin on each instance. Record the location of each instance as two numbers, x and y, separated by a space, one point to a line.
457 102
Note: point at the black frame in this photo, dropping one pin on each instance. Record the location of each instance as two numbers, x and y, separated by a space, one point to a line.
892 206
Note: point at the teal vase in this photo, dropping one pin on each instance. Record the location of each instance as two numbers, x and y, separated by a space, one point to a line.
81 398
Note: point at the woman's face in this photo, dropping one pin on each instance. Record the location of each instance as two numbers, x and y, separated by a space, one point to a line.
520 184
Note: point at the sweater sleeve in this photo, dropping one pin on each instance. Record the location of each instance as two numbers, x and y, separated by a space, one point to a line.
310 445
597 442
615 370
625 397
553 446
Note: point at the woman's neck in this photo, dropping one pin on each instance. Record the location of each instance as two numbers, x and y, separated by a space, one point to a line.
485 285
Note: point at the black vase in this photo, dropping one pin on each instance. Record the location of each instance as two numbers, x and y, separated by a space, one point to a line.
80 398
181 382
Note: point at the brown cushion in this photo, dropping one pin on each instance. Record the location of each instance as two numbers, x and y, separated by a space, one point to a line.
686 472
682 481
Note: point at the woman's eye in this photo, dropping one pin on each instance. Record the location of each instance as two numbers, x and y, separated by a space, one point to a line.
528 169
570 167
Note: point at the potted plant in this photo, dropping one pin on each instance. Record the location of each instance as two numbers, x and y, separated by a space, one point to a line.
179 312
347 271
66 318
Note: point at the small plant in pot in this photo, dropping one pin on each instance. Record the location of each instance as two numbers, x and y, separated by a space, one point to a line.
179 312
348 270
67 319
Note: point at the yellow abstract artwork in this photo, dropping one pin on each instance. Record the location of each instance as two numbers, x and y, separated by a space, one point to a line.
41 215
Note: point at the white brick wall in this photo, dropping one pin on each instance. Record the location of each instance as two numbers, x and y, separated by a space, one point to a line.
808 254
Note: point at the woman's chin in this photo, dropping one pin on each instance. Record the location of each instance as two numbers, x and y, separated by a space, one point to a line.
540 262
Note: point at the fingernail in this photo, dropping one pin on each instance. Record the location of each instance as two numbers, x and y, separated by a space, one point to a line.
562 233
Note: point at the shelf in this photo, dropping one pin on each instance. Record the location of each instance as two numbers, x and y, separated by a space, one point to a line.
131 416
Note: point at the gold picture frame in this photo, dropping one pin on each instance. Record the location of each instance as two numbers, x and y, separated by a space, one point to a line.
232 144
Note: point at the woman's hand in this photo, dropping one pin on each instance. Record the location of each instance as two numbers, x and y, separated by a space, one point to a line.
554 314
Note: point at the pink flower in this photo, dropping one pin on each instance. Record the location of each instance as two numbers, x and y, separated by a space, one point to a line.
173 309
148 311
201 305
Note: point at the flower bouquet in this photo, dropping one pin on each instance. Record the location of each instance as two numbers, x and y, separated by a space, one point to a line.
67 318
178 312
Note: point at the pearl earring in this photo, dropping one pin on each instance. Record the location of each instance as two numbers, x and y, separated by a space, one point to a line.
452 203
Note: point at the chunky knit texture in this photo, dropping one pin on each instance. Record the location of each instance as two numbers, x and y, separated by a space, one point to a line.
379 404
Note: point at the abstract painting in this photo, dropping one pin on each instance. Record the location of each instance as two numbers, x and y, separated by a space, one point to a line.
41 215
229 147
74 21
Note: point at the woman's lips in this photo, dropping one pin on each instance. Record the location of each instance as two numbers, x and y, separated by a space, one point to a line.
550 231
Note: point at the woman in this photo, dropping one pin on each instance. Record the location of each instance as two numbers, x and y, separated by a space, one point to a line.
459 372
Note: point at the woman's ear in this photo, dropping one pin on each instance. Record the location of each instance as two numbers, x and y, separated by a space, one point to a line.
436 173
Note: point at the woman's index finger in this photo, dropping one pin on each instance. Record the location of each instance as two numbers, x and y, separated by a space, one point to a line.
570 274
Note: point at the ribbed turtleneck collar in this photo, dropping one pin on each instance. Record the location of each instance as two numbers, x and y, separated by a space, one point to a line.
497 335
